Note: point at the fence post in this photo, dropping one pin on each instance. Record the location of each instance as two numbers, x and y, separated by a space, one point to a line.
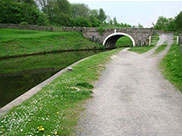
150 40
177 41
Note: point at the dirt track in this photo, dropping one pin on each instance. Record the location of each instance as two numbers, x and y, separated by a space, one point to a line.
132 98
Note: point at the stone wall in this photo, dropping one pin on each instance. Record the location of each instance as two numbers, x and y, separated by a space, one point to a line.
26 27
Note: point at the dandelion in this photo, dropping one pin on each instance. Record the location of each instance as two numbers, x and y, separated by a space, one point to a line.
55 133
41 129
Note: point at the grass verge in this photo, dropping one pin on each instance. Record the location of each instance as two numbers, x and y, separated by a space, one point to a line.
56 108
124 42
160 48
171 66
144 49
18 42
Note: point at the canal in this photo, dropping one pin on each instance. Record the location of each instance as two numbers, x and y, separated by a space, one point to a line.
18 75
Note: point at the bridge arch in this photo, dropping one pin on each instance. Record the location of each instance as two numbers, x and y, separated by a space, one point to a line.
111 39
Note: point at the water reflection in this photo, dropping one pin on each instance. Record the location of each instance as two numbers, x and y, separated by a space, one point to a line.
21 74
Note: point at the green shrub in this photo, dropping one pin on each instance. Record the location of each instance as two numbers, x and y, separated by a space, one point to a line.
24 23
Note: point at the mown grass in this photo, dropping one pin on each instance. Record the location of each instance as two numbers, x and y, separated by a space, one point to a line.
144 49
56 108
124 42
17 42
160 48
171 66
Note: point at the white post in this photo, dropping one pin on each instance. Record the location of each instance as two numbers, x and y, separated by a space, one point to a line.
114 30
177 40
150 40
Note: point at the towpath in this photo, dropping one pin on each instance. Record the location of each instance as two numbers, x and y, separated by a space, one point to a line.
132 98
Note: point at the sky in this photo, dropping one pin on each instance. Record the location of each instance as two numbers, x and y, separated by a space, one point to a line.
134 12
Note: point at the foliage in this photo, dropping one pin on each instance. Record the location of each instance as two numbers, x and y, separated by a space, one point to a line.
178 22
169 24
102 16
16 12
79 10
171 66
162 23
94 21
16 42
56 108
115 21
24 23
82 22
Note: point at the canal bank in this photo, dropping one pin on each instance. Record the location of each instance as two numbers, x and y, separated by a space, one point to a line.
58 103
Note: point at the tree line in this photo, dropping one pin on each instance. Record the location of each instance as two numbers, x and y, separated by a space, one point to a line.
169 24
54 12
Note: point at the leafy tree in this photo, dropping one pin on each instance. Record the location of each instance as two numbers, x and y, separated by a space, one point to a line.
178 22
140 26
14 12
79 10
171 25
115 21
10 12
162 23
94 13
102 16
58 12
94 21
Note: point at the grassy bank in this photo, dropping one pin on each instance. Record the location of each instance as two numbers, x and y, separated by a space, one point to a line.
56 108
17 42
160 48
144 49
171 66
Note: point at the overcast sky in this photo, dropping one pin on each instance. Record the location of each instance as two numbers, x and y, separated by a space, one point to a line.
133 11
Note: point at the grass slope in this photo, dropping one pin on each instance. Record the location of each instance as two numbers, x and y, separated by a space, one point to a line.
144 49
56 108
171 66
17 42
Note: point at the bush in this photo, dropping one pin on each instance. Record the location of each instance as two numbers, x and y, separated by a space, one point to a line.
82 22
24 23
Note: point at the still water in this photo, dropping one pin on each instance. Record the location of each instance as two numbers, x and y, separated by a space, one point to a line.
18 75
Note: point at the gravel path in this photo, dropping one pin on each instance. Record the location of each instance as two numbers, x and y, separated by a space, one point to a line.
132 98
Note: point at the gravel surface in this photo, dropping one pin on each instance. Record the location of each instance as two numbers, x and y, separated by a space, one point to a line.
132 98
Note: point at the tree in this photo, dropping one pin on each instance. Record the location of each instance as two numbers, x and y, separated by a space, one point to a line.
171 25
140 26
102 16
115 21
94 13
14 12
94 21
58 12
178 22
79 10
162 23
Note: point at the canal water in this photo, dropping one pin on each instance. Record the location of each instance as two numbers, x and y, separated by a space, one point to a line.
18 75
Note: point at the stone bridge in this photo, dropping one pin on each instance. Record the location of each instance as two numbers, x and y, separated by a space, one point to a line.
109 36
